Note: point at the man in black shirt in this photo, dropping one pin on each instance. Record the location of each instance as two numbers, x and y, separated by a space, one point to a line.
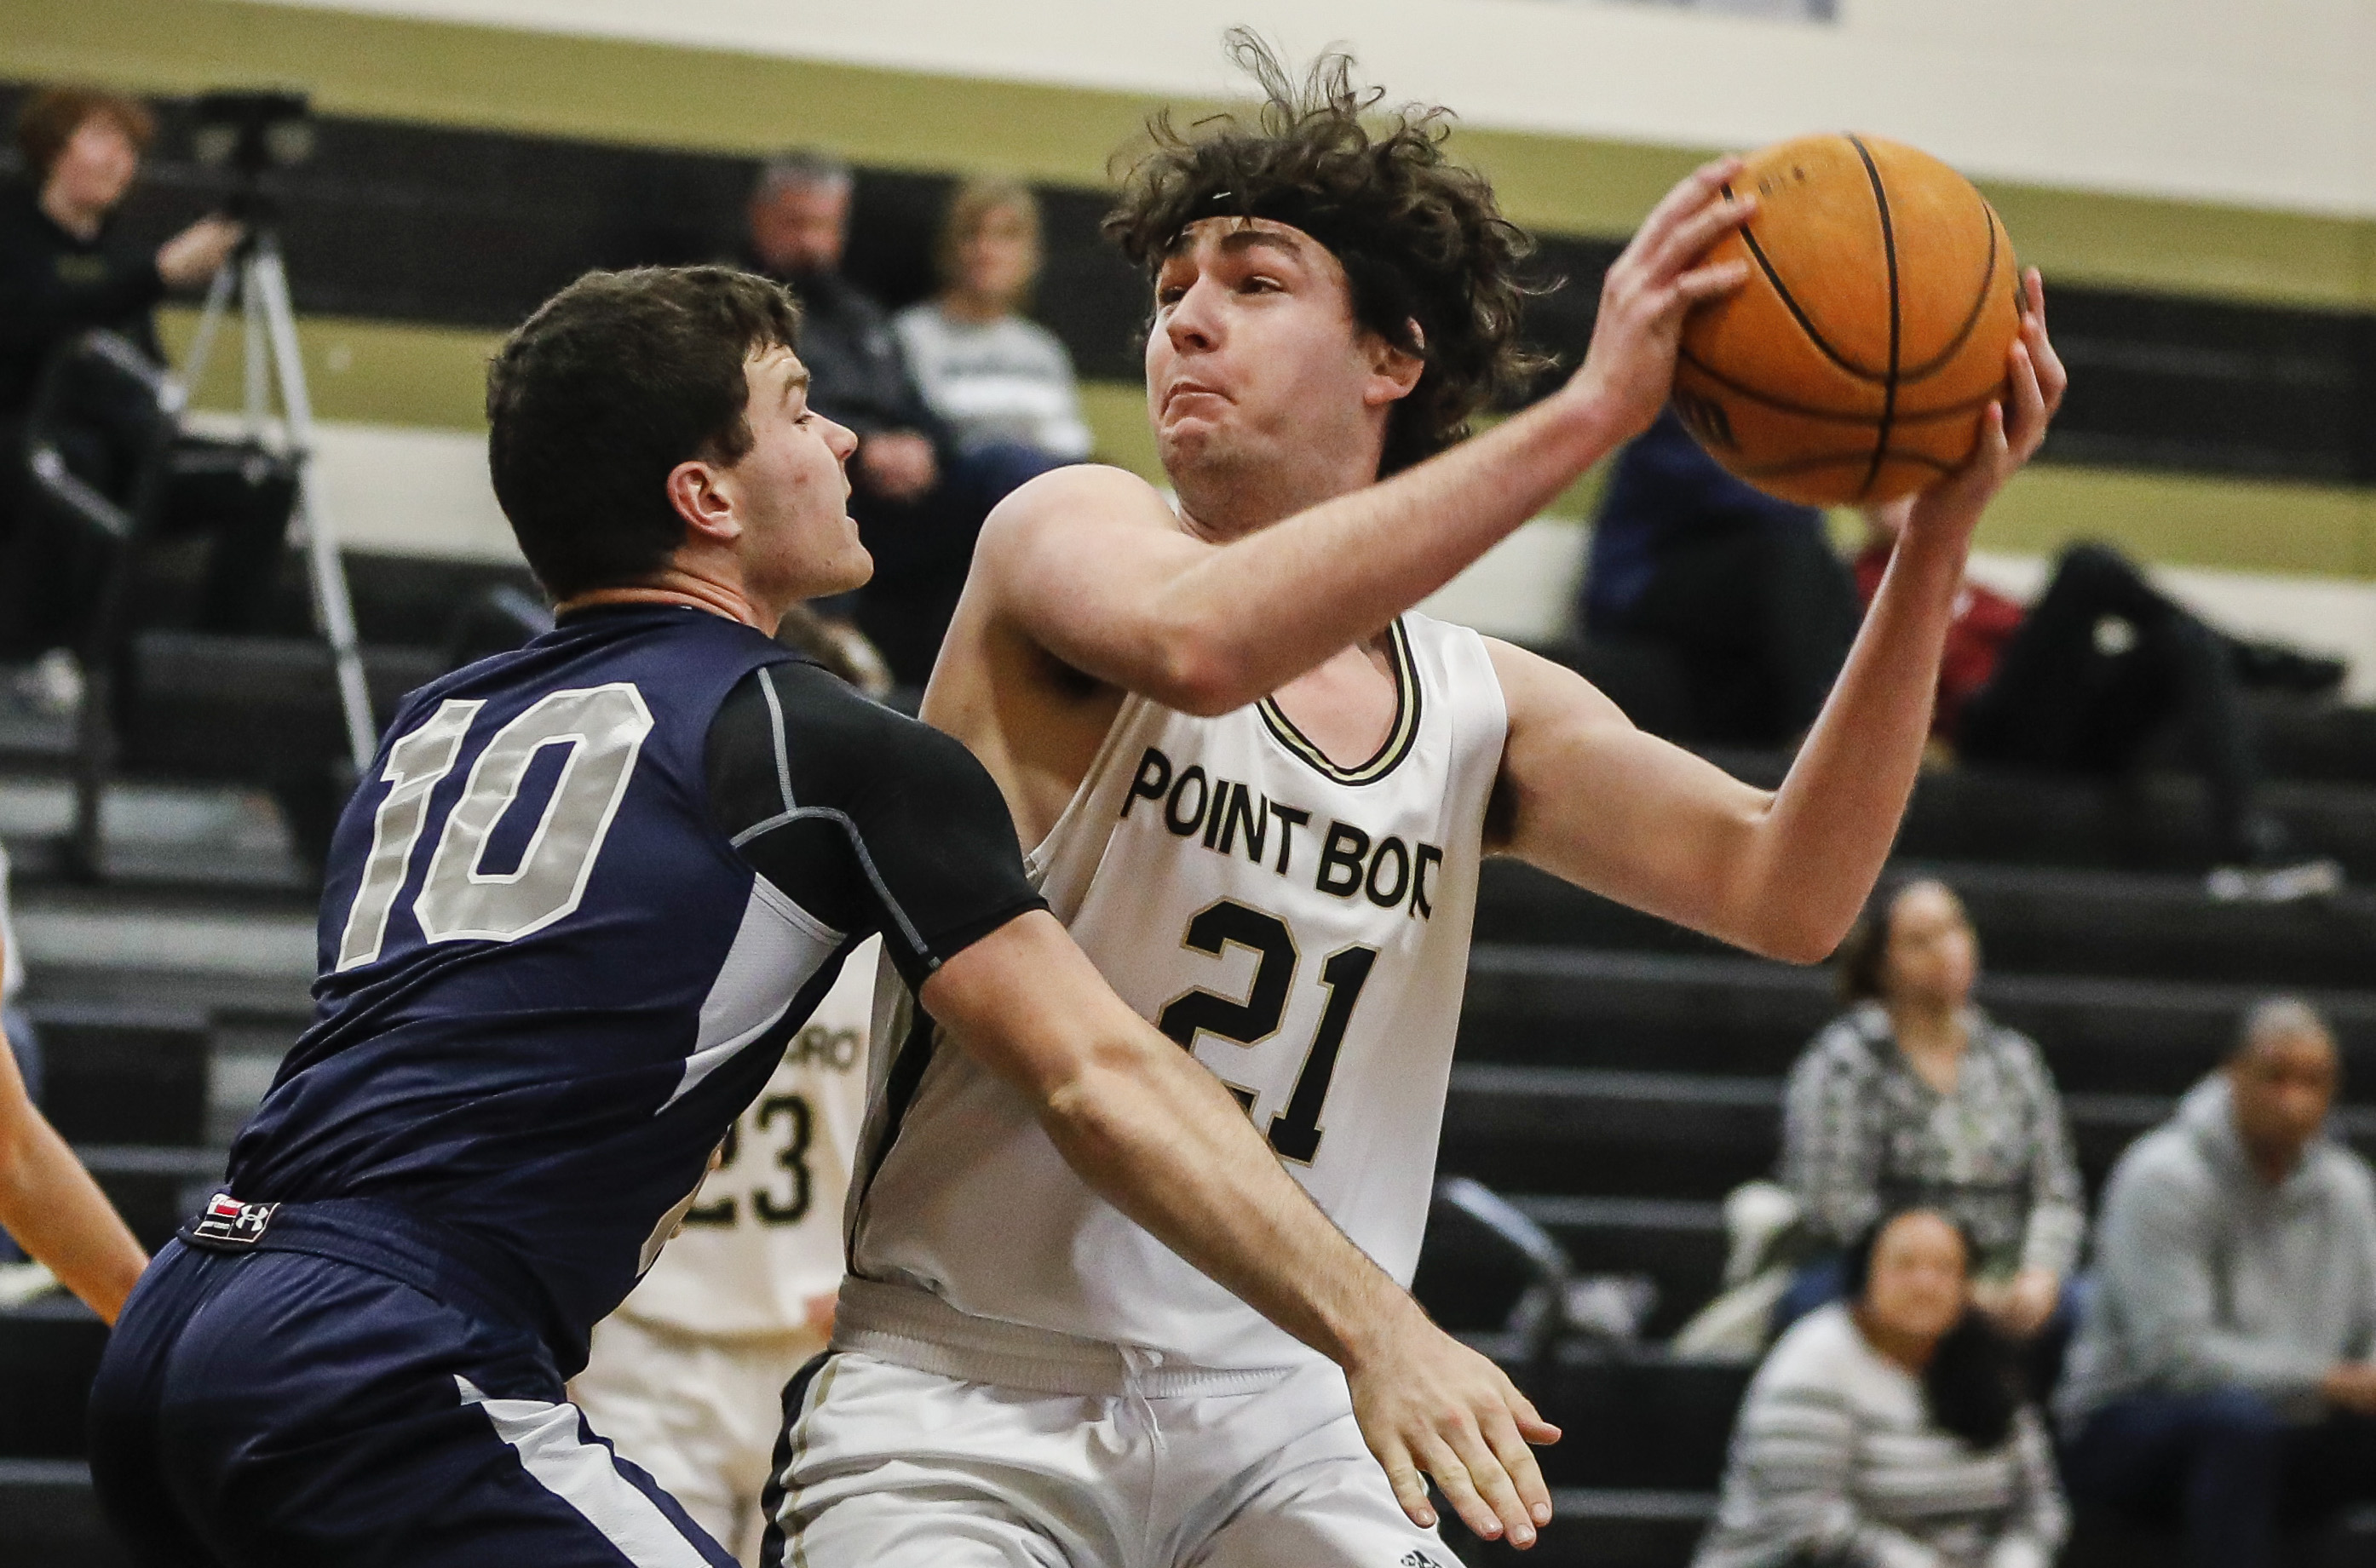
64 272
918 500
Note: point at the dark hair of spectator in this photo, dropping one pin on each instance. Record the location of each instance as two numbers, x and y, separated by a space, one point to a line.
1860 964
612 383
51 116
971 207
1973 1384
1434 269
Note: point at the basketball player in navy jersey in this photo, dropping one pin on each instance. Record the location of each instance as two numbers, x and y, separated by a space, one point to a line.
1258 789
587 895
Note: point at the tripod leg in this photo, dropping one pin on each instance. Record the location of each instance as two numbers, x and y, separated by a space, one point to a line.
211 319
332 606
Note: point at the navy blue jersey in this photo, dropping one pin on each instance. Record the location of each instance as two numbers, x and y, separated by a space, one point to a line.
588 893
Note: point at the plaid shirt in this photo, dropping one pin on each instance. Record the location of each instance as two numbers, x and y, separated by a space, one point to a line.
1862 1132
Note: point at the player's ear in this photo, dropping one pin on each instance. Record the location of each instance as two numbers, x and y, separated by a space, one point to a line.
1394 370
701 497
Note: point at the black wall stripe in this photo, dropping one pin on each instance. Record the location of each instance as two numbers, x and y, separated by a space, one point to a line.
465 228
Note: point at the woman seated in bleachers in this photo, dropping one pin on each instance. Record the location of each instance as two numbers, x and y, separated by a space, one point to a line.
1915 1095
997 379
1890 1429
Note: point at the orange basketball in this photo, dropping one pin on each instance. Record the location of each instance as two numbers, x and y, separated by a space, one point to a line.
1857 362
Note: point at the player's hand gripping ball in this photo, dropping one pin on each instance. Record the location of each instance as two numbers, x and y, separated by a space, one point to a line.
1857 362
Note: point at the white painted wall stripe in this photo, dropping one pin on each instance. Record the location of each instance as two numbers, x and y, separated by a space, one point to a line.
2265 103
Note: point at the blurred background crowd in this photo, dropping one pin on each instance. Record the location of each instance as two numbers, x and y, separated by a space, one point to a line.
1916 1265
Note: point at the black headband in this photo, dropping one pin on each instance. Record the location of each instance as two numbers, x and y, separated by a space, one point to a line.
1369 256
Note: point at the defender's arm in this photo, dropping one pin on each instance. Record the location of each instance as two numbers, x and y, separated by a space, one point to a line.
1088 564
1585 795
49 1202
1157 1135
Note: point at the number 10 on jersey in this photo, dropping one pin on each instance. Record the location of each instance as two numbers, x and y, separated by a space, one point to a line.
1294 1131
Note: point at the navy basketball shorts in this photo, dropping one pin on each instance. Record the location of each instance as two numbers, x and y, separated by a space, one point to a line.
276 1407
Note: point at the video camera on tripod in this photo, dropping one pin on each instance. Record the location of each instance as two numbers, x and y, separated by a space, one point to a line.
251 134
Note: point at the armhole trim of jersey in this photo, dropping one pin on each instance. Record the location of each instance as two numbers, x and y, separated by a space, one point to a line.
899 1086
1399 741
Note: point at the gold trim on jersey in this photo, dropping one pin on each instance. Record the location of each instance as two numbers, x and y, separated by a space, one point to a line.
1399 741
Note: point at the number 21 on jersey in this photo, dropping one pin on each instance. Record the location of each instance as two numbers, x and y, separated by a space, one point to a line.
462 898
1295 1132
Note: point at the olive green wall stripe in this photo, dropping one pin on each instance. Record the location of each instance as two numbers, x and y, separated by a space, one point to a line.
384 372
368 372
657 94
2239 524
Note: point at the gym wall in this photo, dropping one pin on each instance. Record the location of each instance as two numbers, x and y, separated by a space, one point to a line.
2215 289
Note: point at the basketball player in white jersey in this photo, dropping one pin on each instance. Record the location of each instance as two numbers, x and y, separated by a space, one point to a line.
1259 789
684 1377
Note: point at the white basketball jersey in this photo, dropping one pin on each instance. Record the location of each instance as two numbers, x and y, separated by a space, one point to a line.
1303 928
765 1232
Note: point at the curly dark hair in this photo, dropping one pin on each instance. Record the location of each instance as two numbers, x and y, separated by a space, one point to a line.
1434 268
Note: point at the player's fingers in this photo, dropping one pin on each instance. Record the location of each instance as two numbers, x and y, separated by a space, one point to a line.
1689 239
1509 1447
2026 426
1495 1486
2052 378
1531 1425
1706 283
1410 1486
2033 289
1452 1479
1692 191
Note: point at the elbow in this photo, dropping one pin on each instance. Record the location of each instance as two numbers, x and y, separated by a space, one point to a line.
1791 938
1199 673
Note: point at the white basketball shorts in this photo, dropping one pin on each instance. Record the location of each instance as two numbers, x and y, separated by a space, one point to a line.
1009 1449
701 1415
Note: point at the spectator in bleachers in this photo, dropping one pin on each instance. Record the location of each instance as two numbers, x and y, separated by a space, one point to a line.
1888 1430
2084 680
2225 1378
918 495
1738 594
50 1205
64 272
1915 1095
994 375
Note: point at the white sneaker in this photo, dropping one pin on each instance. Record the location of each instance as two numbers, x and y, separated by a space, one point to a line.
2274 884
23 1282
53 684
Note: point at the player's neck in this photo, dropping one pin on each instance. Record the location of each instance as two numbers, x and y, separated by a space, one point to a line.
674 586
1242 503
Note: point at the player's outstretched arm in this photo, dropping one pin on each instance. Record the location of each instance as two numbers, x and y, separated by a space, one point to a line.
55 1211
1088 563
1586 796
1160 1138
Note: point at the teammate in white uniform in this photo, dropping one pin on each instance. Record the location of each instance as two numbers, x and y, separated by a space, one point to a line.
1260 790
686 1377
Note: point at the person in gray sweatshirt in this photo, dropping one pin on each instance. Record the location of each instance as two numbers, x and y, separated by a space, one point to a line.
2222 1379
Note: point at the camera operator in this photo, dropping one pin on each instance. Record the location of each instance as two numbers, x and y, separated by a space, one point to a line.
62 273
